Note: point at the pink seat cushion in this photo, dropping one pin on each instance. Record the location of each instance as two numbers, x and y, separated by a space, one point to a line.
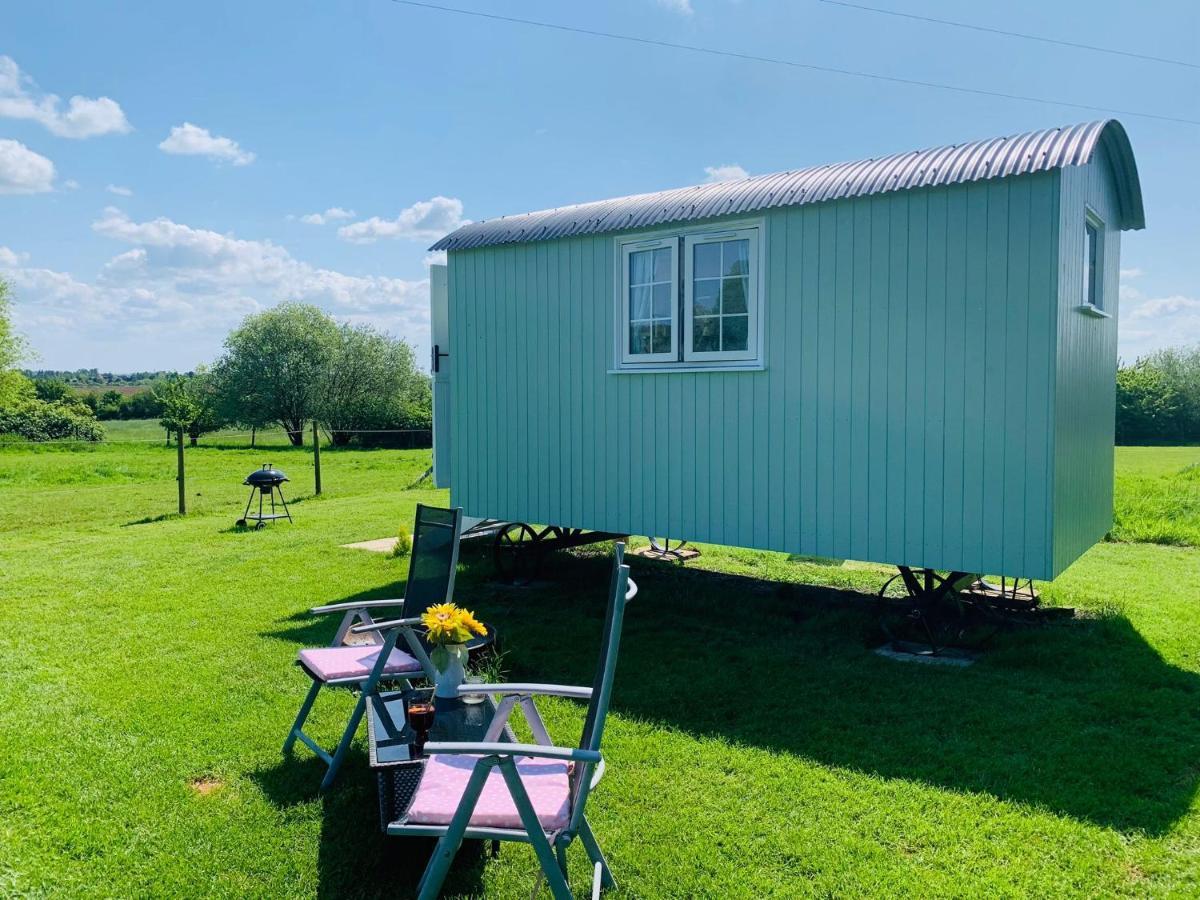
546 781
328 663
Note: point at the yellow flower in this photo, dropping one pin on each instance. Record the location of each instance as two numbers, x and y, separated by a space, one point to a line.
473 624
443 623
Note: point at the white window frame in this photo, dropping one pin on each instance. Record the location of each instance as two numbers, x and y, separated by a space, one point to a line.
753 296
628 248
752 360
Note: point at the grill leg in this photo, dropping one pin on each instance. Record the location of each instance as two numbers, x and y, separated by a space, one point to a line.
287 512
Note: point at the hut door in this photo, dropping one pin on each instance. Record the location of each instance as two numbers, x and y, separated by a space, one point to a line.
440 362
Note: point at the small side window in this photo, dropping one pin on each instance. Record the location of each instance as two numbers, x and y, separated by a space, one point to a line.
1093 294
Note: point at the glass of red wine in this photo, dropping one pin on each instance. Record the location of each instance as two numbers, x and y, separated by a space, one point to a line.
420 711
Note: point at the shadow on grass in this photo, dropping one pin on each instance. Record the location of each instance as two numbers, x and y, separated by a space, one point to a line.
354 857
308 630
150 520
1082 719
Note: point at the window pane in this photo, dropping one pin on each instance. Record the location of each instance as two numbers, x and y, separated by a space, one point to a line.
662 300
736 258
662 264
707 262
733 295
705 336
641 267
662 337
733 332
639 338
706 296
639 302
1089 264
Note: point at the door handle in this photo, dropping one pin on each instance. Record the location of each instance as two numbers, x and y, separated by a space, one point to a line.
437 355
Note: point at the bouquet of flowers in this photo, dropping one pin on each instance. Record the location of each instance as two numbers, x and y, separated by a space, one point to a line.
447 626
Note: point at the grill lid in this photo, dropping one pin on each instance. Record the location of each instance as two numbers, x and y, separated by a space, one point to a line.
267 476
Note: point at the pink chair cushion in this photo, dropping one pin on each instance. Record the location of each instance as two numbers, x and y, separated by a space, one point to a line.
328 663
546 781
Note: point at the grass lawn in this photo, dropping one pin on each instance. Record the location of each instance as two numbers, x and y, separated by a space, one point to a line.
756 747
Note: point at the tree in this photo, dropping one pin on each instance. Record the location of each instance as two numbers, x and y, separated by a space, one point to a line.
274 367
371 384
188 403
12 346
142 405
1148 405
53 389
22 411
1180 369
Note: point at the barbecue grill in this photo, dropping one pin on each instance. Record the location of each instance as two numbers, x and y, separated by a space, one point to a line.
265 483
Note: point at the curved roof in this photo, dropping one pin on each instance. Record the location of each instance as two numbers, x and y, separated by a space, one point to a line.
1021 154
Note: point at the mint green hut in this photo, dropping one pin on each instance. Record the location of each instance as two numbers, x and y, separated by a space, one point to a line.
907 360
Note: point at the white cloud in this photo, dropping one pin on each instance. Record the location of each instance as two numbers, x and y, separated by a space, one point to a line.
179 287
1164 307
1150 324
83 117
424 220
71 185
22 171
119 190
330 215
725 173
434 258
192 140
683 7
11 257
1131 273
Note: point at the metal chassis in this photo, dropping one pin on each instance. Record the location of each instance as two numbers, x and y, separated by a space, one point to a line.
518 561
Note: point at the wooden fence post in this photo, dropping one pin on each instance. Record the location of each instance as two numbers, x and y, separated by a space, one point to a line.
179 477
317 456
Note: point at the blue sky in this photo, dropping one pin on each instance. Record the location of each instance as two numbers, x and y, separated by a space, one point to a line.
141 221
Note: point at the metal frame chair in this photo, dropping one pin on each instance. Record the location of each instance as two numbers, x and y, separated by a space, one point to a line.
585 759
431 570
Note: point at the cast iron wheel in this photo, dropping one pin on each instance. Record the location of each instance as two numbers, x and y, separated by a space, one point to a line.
930 614
515 553
667 546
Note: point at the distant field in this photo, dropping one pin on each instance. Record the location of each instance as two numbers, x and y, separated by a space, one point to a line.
125 390
149 429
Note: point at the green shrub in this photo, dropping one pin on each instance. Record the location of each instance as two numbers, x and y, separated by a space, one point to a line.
36 420
403 544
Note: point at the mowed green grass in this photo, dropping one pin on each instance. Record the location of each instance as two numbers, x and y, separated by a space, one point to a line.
1157 495
756 746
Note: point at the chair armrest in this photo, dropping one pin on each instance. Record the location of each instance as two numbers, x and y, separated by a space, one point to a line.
386 625
566 754
550 690
362 604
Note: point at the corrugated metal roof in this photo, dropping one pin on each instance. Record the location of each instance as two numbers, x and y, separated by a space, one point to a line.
1037 151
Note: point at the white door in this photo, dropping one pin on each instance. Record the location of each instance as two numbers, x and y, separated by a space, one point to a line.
439 315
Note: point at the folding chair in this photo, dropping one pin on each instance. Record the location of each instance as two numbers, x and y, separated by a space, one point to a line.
430 580
532 793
